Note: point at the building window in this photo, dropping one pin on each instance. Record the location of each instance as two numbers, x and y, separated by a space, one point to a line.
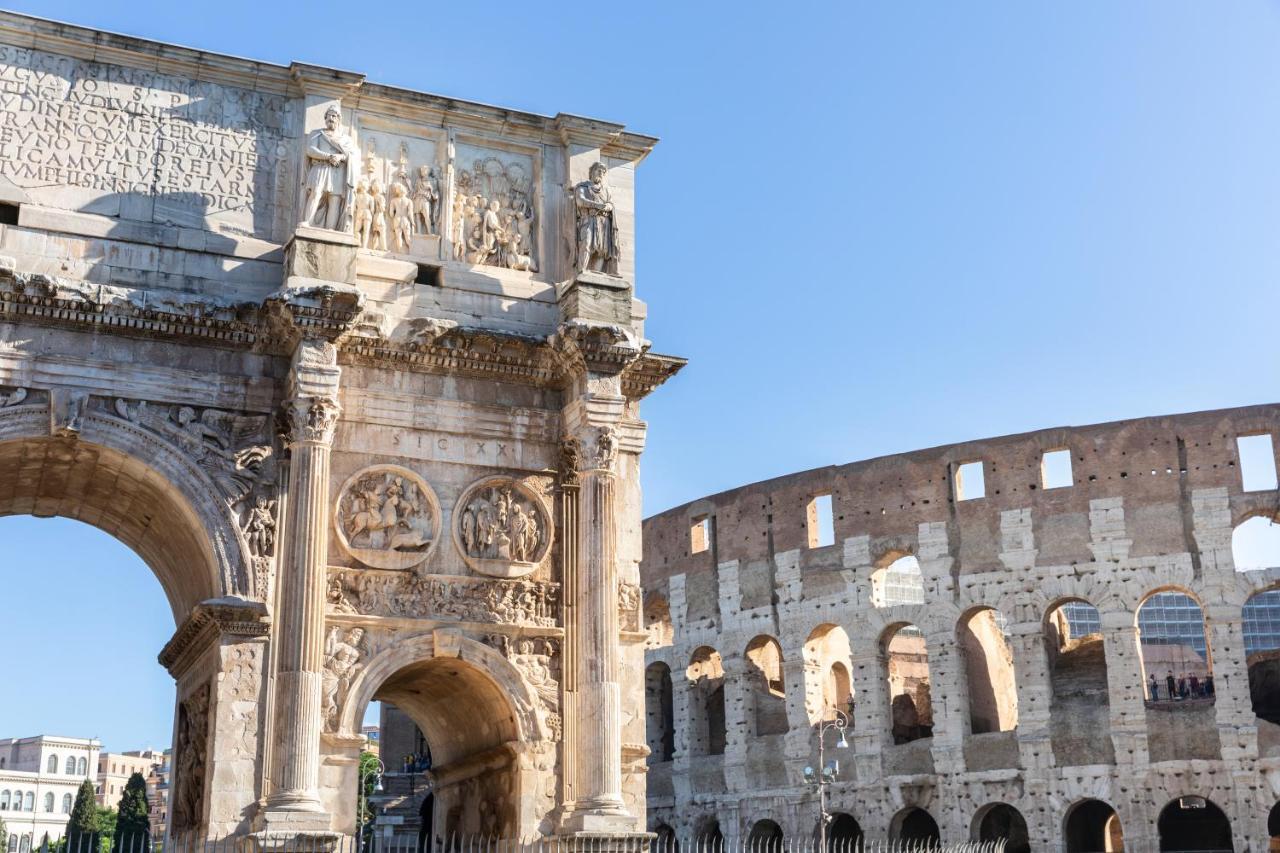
66 804
48 802
71 765
819 522
700 535
970 482
53 764
1055 469
1257 463
83 769
30 801
26 844
4 800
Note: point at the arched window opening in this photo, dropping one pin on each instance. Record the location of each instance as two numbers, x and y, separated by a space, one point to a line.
66 804
907 668
29 804
665 840
659 713
657 622
1079 708
1002 822
4 800
25 846
827 652
82 767
988 659
765 837
13 842
1176 663
71 765
916 825
1092 826
48 802
768 692
1255 544
53 764
1194 823
898 583
1262 653
706 703
709 838
843 833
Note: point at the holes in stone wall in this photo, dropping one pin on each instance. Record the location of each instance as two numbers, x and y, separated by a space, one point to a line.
820 521
906 659
1055 469
970 481
988 659
1255 544
700 533
1257 462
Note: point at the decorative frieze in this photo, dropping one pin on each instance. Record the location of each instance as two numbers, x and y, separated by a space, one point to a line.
408 595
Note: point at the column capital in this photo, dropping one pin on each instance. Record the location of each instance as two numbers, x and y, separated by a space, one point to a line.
590 450
311 420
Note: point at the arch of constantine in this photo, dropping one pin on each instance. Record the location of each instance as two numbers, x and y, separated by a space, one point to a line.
356 371
1045 638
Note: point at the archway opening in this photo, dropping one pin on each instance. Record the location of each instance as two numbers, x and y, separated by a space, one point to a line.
469 735
708 836
907 671
1273 826
1255 544
768 689
659 712
1079 709
1261 617
1176 664
1092 826
843 833
765 836
916 825
897 581
665 839
988 660
658 629
706 702
1002 822
1194 823
827 653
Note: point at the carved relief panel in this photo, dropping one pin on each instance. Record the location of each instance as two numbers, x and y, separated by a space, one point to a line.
387 517
399 194
501 528
190 755
495 205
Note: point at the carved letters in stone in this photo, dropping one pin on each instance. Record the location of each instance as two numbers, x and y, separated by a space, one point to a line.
502 528
342 663
387 517
403 594
190 753
332 166
597 226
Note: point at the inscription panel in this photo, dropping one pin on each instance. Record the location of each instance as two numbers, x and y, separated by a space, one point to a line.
126 142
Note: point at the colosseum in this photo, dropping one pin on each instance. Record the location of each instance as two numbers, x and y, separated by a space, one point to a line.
1045 638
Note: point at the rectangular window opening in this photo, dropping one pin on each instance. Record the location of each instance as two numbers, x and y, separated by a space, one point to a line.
1055 469
428 274
970 483
8 213
1257 462
820 522
700 535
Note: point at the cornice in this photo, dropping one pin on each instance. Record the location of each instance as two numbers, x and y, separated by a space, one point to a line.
209 621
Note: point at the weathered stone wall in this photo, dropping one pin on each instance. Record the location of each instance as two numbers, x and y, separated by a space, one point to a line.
1151 506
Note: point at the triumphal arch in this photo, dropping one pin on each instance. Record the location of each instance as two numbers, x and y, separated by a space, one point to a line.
356 370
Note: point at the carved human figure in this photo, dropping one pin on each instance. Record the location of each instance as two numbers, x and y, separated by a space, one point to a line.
490 229
261 528
401 214
597 225
342 662
363 213
329 192
458 227
426 201
378 230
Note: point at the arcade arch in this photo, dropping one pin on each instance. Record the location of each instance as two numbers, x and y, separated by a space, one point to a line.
765 837
989 676
906 660
843 833
1194 823
897 580
706 702
1092 826
657 622
1173 647
767 687
914 824
1255 544
1079 709
1262 653
827 653
1002 822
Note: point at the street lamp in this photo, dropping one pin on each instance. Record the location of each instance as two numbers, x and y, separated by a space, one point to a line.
828 772
375 770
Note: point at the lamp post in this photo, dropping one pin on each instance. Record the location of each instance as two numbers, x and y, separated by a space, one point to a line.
827 772
375 770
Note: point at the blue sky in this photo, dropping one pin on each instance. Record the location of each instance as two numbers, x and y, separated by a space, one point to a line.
871 227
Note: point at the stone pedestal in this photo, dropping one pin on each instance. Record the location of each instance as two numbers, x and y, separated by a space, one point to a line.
597 297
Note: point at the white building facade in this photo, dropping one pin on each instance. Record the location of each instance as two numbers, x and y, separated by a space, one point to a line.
39 777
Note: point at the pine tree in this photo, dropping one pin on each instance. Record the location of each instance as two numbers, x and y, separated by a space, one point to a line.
133 820
82 828
4 837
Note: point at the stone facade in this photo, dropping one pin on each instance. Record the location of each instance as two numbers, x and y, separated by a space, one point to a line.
329 356
1014 707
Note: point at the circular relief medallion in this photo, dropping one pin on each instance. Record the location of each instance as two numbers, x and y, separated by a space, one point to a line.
387 517
501 528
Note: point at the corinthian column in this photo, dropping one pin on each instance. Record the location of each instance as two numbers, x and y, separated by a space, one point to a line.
311 411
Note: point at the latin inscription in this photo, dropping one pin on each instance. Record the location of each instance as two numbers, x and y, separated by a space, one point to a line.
75 132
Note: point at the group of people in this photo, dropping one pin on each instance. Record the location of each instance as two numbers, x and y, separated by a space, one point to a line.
416 762
1183 687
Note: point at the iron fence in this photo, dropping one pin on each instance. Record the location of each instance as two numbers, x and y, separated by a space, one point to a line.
601 843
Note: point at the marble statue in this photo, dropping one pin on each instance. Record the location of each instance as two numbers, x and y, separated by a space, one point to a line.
426 201
363 213
597 226
331 173
378 229
401 214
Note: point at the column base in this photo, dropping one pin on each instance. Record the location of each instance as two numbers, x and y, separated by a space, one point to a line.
607 818
283 828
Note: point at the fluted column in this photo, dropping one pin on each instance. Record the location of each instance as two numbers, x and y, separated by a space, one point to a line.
591 636
312 414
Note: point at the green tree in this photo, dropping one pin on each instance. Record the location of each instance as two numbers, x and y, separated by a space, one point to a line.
133 820
82 828
4 837
369 775
105 820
